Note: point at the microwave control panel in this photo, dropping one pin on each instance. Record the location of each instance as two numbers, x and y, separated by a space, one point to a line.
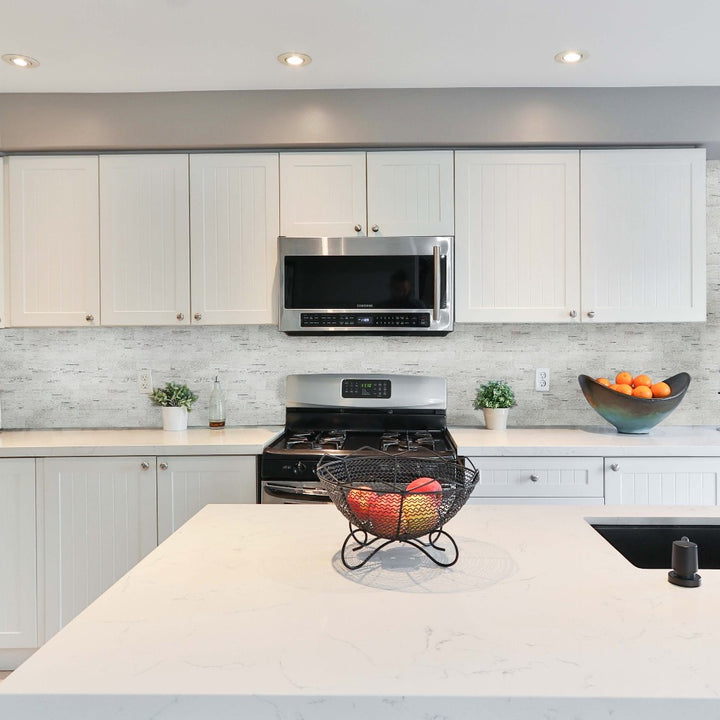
377 320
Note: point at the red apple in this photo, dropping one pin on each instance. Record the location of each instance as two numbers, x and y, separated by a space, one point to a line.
420 513
384 515
359 499
431 487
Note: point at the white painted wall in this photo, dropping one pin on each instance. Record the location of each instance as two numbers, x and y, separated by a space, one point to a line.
87 377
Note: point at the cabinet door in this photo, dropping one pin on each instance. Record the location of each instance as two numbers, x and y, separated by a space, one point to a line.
97 517
322 194
517 236
54 242
18 595
3 237
410 193
234 217
539 477
643 235
661 481
187 484
144 240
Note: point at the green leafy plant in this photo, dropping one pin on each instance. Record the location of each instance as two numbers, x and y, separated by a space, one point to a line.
494 394
174 395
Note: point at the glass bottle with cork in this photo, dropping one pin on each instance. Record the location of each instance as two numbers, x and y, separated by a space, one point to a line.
216 410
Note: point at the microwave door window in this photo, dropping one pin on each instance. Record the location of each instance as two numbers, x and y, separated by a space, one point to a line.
357 282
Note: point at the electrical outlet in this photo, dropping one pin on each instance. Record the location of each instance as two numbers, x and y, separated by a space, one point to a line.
542 379
145 381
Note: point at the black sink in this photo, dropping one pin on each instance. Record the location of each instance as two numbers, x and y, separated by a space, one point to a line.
649 545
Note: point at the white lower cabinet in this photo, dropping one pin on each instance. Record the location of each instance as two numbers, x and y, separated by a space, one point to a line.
661 481
18 599
96 519
557 480
187 484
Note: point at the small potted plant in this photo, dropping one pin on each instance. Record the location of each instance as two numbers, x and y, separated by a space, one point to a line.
176 401
495 398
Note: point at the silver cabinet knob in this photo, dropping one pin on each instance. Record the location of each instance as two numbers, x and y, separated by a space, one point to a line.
163 466
145 465
197 316
591 314
358 228
573 313
375 228
180 316
534 478
90 318
614 467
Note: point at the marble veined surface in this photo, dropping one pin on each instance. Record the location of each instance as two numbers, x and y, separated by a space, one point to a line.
247 612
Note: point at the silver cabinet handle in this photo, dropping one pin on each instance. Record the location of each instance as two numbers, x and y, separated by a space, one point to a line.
90 318
534 478
163 466
573 313
180 316
145 465
197 316
436 282
358 228
375 228
591 314
614 467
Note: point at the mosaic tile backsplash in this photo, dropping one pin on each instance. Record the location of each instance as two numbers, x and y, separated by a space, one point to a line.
87 377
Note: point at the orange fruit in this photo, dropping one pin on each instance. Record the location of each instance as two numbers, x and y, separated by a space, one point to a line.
622 388
661 389
623 378
603 381
642 391
642 380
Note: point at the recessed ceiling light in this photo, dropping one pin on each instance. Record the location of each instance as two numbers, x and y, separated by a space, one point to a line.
294 59
20 61
570 57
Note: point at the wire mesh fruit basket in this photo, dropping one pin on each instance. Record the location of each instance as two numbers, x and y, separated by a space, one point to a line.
397 498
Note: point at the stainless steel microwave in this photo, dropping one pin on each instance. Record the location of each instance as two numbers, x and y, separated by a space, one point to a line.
385 285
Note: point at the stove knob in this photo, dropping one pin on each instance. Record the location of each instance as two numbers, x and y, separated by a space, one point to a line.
299 468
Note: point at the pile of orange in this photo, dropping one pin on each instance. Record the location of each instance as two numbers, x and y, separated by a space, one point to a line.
639 386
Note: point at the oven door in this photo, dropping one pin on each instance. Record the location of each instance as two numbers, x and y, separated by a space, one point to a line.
368 285
291 492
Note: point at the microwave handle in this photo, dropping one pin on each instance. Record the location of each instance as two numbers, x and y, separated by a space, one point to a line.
436 283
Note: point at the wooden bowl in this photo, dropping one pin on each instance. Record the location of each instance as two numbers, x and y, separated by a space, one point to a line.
630 414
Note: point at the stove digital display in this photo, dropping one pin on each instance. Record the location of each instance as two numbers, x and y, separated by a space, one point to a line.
376 389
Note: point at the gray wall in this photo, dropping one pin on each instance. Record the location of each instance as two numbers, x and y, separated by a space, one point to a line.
454 117
87 377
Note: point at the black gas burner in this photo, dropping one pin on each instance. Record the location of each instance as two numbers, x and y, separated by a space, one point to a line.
316 440
410 441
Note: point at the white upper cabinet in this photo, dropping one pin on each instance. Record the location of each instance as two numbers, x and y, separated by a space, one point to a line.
643 235
234 219
517 238
54 243
357 193
3 237
144 240
322 194
410 193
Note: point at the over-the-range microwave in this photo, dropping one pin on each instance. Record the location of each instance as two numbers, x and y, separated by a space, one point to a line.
378 285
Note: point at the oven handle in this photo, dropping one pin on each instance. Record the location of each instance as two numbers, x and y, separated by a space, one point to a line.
436 283
289 492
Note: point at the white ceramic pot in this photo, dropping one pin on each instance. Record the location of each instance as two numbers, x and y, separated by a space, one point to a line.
175 418
496 418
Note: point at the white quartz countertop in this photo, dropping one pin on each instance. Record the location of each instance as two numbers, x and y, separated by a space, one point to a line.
247 612
152 441
680 441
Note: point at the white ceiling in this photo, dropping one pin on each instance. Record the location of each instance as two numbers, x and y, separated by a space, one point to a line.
169 45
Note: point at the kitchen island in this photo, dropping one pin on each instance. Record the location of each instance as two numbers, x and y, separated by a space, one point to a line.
247 612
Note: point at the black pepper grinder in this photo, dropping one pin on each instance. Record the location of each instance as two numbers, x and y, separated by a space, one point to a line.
684 564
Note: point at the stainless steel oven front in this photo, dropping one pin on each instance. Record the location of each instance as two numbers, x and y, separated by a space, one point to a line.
388 285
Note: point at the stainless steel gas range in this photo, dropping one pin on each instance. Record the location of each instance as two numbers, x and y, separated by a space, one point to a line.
339 414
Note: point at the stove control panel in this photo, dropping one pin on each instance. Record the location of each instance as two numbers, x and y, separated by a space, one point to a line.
360 388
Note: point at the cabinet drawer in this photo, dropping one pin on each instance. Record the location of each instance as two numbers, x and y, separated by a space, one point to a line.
539 477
